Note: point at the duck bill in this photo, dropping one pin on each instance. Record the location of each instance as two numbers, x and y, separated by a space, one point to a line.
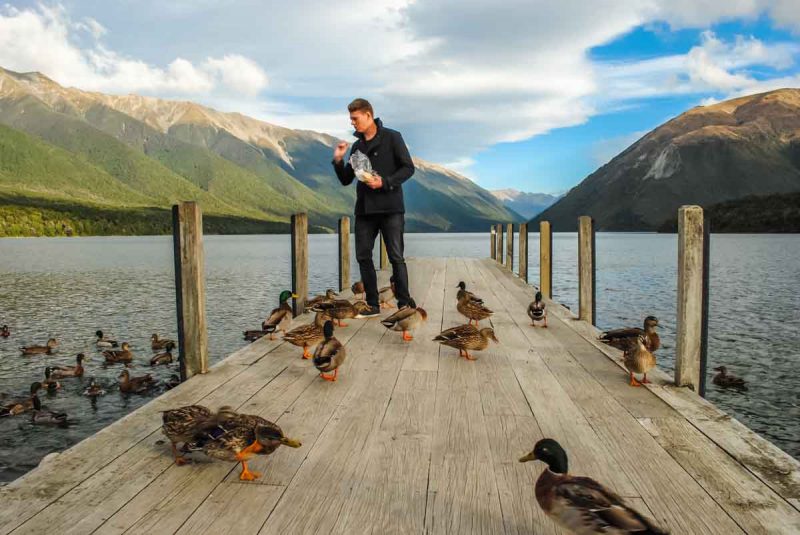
292 443
295 296
529 457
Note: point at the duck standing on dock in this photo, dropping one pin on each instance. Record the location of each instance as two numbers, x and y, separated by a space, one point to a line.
62 372
135 385
280 318
537 310
358 290
122 354
473 310
465 338
638 359
239 437
308 335
5 332
158 344
621 338
180 426
462 290
330 354
340 309
406 319
103 341
726 380
18 406
581 504
327 297
386 294
40 350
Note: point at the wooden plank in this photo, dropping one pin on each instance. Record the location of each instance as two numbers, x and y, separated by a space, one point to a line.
546 259
187 232
754 508
523 252
344 253
586 270
299 262
233 509
690 298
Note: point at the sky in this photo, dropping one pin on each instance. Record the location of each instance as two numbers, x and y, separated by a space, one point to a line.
525 94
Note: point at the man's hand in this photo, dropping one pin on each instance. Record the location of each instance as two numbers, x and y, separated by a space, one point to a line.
376 182
340 150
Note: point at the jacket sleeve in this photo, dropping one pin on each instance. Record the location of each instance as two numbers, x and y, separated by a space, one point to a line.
403 159
344 171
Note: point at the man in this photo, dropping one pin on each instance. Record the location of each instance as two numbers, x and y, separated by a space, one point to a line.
379 202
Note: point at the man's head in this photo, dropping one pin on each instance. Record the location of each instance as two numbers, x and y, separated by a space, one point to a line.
361 115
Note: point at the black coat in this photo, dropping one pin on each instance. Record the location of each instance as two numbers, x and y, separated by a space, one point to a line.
388 154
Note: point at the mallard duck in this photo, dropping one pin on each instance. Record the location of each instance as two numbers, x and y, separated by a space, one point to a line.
240 437
18 406
181 425
172 382
466 337
40 350
386 294
94 390
62 372
473 310
5 332
307 335
462 289
406 319
537 311
280 318
161 358
135 385
620 338
358 289
329 296
157 343
580 504
103 342
50 383
725 380
330 354
42 416
122 354
340 309
638 359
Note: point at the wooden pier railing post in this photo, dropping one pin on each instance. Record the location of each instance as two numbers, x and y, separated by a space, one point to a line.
586 270
190 291
299 262
523 252
545 259
510 246
492 243
344 253
499 237
692 299
384 261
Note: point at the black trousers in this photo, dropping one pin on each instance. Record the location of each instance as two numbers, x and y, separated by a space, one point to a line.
391 226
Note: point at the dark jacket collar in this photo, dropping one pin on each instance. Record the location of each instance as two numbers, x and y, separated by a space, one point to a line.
378 123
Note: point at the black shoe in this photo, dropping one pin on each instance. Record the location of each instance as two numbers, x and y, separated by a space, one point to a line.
371 313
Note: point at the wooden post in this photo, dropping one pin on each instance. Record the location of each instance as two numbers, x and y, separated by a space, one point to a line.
510 246
692 299
299 262
586 270
190 291
492 243
499 238
523 252
344 253
384 255
545 259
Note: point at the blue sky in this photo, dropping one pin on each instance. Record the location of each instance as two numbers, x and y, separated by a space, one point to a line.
527 94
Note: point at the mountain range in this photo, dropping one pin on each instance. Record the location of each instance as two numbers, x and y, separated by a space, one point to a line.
100 163
707 155
526 204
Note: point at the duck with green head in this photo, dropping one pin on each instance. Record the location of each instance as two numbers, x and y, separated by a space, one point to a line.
280 319
581 504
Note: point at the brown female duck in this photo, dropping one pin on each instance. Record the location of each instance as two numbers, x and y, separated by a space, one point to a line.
135 385
620 338
638 359
122 354
406 319
62 372
157 343
358 290
18 406
473 310
462 289
581 505
386 294
40 350
161 358
340 309
726 380
308 335
330 354
465 338
329 296
181 424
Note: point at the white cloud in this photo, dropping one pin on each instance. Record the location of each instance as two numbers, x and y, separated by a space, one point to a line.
239 73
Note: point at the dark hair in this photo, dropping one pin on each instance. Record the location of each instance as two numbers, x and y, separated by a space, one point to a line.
360 104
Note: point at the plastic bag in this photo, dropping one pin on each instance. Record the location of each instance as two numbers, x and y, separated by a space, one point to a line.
361 166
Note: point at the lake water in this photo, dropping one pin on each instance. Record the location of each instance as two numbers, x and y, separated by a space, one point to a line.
70 287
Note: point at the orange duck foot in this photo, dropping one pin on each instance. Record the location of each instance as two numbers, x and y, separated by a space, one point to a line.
634 382
407 337
341 324
468 356
331 378
306 354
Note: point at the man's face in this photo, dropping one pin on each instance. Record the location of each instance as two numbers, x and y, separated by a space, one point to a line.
361 120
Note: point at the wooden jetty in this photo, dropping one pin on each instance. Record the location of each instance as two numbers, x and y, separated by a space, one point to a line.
414 439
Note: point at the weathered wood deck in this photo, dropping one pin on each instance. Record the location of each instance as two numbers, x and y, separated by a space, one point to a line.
413 439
